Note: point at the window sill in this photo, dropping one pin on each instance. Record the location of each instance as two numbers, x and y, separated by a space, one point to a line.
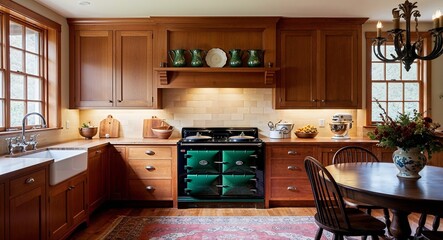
15 132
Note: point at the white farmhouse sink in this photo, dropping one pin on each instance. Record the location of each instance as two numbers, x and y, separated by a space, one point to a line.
67 163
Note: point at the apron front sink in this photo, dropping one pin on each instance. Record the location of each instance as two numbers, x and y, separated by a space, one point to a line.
67 163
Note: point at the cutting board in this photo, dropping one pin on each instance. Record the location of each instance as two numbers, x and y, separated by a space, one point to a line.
109 126
150 123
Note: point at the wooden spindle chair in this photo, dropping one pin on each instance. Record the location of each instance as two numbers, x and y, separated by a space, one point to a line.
332 215
357 154
431 234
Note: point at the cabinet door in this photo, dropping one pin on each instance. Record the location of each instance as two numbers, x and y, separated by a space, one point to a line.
297 87
97 175
118 179
340 69
2 211
133 69
27 206
93 82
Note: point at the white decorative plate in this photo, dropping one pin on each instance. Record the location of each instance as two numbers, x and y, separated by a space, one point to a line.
216 58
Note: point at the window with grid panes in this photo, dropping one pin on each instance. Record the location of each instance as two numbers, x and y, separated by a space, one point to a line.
29 68
26 81
397 90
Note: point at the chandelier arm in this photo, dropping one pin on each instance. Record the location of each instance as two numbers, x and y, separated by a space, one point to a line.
437 49
376 47
398 44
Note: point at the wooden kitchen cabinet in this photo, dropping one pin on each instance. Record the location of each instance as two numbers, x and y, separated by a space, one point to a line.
286 179
68 206
27 204
107 55
98 165
117 174
326 151
2 212
152 173
320 63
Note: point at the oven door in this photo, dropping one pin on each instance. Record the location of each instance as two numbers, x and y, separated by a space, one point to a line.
239 161
202 161
202 185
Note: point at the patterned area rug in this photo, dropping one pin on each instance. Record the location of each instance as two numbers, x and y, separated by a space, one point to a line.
219 227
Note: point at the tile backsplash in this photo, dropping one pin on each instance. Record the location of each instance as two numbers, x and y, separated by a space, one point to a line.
219 107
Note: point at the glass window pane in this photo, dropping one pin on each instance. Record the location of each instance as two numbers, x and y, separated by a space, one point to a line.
390 50
32 64
2 85
412 74
16 59
378 71
34 89
376 111
412 91
16 35
2 113
410 106
32 40
395 91
34 119
379 91
17 86
17 113
394 109
393 71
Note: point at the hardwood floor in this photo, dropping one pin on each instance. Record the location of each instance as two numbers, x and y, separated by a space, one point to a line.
102 219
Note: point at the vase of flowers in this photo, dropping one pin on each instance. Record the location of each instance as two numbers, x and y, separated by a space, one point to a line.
413 136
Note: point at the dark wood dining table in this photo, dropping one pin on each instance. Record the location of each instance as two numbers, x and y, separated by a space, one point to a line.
378 184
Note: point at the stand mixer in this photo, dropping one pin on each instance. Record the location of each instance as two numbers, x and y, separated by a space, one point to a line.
341 123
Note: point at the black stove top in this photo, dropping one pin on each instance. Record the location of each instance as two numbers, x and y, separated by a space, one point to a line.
220 135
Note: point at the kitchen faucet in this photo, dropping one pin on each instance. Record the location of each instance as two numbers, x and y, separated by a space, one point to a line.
20 142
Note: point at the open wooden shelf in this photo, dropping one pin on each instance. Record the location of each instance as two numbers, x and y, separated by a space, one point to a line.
185 77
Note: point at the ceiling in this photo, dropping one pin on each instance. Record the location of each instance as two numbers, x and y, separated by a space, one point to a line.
373 9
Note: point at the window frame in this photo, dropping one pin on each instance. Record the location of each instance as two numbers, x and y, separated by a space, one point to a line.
50 64
425 74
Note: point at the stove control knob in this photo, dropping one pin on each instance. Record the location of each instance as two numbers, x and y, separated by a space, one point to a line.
150 188
150 152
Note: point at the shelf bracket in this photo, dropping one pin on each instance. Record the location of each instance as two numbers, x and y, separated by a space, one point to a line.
163 77
269 77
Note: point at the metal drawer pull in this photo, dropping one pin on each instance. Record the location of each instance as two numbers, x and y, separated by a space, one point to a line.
292 188
71 187
292 168
150 168
98 151
30 180
150 188
291 152
150 152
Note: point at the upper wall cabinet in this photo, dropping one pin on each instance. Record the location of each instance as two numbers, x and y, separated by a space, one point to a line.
112 64
225 33
320 63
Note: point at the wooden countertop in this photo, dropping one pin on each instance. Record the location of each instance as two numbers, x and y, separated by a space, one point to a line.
317 140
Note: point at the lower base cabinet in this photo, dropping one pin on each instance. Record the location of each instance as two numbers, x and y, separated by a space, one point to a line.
27 205
67 206
2 211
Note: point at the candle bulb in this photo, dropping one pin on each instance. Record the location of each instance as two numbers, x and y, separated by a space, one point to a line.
396 18
379 27
440 17
436 19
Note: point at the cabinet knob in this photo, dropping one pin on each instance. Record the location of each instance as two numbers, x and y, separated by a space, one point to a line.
150 188
314 100
150 152
110 101
323 100
291 188
292 152
150 168
119 100
30 180
292 168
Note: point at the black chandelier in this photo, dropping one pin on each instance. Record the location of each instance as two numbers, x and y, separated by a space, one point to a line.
406 51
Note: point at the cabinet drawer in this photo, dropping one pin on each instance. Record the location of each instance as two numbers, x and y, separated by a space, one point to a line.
27 182
150 189
287 168
141 169
150 153
291 152
291 189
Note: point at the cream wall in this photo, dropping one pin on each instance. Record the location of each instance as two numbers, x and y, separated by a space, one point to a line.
72 116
